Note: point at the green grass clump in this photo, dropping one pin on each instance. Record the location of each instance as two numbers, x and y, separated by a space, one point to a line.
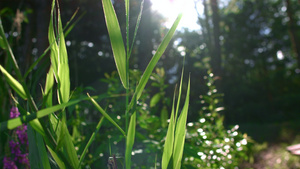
51 137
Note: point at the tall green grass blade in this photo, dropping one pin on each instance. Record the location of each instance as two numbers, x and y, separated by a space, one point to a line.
69 149
64 83
2 43
53 43
136 29
13 123
106 115
67 29
179 95
168 146
127 5
63 66
162 47
59 162
64 142
116 40
130 140
37 126
14 84
90 141
49 87
181 131
38 155
60 133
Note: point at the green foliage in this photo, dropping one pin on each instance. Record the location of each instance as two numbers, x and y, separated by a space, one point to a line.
209 143
116 39
50 122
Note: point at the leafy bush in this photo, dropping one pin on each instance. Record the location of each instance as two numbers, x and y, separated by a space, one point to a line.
209 143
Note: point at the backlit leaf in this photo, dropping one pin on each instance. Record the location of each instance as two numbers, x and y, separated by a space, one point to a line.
116 40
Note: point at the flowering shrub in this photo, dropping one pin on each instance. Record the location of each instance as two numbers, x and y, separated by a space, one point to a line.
209 144
18 146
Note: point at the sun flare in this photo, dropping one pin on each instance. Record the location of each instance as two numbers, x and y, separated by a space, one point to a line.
171 8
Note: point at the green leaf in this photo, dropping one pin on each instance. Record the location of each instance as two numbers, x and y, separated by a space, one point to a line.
2 43
106 115
14 84
59 162
164 117
130 140
63 68
161 49
90 141
48 87
168 146
179 94
38 155
33 65
64 82
155 99
116 40
181 131
53 44
69 149
64 142
13 123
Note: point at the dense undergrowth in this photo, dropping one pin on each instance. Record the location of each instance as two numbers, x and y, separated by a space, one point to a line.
132 128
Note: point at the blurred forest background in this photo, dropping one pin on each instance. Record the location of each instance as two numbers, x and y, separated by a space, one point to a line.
251 46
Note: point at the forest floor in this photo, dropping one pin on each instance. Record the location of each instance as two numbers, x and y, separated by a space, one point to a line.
274 156
271 140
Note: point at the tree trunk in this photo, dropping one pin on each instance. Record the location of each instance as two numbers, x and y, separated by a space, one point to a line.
206 29
216 57
292 28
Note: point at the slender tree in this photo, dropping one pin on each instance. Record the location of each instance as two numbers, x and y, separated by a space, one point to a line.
292 28
216 57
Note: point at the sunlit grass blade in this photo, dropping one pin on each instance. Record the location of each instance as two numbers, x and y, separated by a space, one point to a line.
13 123
136 28
14 84
106 115
116 40
67 31
130 140
60 133
58 161
38 155
181 131
127 5
69 148
64 142
53 43
67 28
179 95
168 146
49 88
90 141
162 47
63 66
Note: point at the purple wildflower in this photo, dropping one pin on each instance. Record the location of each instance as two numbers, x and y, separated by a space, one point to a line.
21 139
9 164
22 134
14 148
14 112
23 159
